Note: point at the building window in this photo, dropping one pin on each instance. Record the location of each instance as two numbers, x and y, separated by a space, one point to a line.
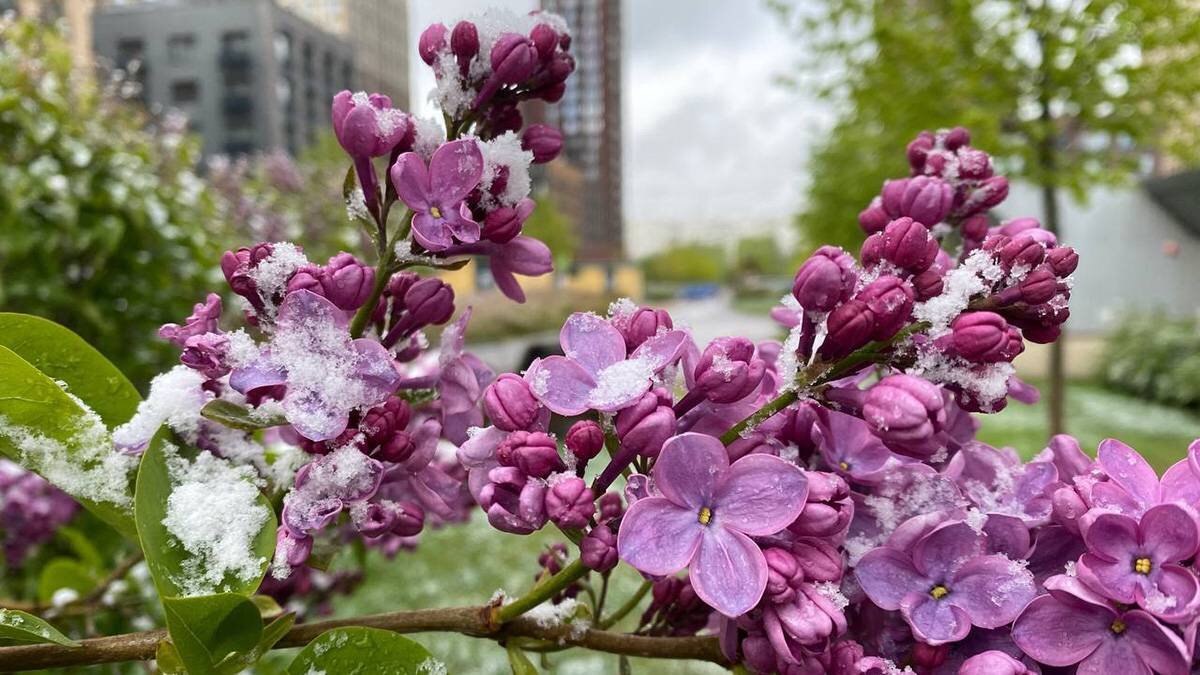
235 41
181 47
129 49
185 92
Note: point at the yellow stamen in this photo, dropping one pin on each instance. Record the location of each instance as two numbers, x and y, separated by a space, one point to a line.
1141 565
938 592
435 212
1118 626
845 466
705 515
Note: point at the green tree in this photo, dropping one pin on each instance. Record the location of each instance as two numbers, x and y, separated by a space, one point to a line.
762 256
103 225
1066 95
685 263
551 225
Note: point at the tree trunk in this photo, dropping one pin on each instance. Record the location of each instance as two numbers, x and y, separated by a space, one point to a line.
1056 399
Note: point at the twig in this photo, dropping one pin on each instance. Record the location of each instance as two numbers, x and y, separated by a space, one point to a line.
626 608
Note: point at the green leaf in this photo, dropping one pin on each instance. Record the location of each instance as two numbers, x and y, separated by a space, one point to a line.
164 556
83 547
22 627
274 632
46 431
207 629
518 661
365 651
62 573
63 355
168 659
237 416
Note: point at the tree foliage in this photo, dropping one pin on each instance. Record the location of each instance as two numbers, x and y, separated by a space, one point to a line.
686 263
103 223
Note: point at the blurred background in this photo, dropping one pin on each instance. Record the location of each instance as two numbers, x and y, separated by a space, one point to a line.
711 145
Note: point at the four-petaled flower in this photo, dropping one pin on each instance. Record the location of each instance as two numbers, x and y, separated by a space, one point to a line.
946 583
436 194
1071 624
595 373
1138 562
703 517
323 374
1133 486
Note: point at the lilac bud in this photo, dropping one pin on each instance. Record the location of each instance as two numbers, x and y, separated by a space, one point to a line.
892 196
846 655
1022 251
598 550
918 150
728 370
514 58
783 574
1068 507
373 519
975 164
989 193
533 452
410 519
928 657
823 519
644 324
984 337
906 413
848 327
1039 286
927 200
993 662
429 301
820 560
824 280
509 403
826 487
798 428
570 502
505 223
295 547
433 40
759 655
543 140
464 43
585 439
367 125
1063 260
644 426
928 284
398 447
874 218
956 138
890 300
1012 228
346 282
207 354
385 419
513 502
975 227
611 506
544 39
905 243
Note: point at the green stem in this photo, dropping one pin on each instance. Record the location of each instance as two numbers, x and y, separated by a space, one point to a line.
541 592
626 608
383 272
778 403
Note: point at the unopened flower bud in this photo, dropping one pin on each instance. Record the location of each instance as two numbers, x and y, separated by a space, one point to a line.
429 301
385 419
373 519
513 58
346 282
611 506
927 200
918 150
820 560
398 447
824 280
975 227
544 39
534 452
464 43
570 502
956 138
1063 259
849 327
598 550
644 426
433 40
503 224
928 284
874 218
644 324
928 656
993 662
984 337
890 299
728 370
585 439
1021 251
367 125
905 243
295 548
513 502
410 519
543 140
1068 507
509 403
783 574
906 413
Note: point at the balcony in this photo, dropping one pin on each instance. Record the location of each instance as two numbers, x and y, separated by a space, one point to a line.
237 105
235 59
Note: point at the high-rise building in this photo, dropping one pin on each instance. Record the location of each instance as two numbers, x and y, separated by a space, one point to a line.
377 31
249 74
75 14
589 116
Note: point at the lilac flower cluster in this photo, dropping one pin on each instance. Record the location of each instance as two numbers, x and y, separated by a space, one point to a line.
30 511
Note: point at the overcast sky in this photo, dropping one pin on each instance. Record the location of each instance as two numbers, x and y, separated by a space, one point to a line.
713 148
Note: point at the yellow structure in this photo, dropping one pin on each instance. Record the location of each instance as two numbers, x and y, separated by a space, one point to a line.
590 279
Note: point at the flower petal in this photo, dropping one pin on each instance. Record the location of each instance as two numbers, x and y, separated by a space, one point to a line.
592 342
933 621
760 495
1169 533
662 350
658 537
992 590
1173 595
887 575
313 417
1059 634
257 375
1155 645
1129 470
729 572
411 180
560 384
377 371
687 469
1180 484
1113 656
306 311
1112 536
947 547
431 232
1115 580
454 170
462 224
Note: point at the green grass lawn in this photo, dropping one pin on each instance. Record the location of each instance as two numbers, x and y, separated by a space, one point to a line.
467 564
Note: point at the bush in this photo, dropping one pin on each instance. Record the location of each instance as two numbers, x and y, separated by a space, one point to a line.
1155 356
102 221
686 263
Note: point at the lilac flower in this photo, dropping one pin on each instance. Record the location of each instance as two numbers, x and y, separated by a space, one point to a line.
325 372
1134 487
595 373
945 583
997 481
1072 625
203 319
460 383
705 516
436 194
520 255
850 449
994 663
1139 562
